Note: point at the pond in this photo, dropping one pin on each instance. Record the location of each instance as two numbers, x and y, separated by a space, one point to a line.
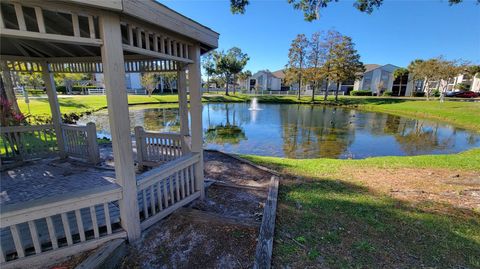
305 131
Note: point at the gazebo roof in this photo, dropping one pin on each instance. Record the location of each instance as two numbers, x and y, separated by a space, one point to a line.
69 32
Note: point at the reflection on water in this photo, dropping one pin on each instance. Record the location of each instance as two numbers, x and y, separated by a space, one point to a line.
304 131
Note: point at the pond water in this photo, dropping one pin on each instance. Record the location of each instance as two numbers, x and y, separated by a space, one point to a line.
305 131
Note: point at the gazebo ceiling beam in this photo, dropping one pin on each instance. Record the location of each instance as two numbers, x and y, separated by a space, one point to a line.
36 50
51 37
93 66
21 49
154 54
40 22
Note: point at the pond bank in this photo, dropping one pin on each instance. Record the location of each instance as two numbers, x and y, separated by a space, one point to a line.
457 113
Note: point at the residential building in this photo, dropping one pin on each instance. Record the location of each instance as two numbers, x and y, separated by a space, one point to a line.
132 81
262 80
376 78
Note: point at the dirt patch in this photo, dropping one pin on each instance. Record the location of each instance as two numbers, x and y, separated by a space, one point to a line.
233 202
180 242
221 167
457 188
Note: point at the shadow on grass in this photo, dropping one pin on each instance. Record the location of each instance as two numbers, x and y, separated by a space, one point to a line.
70 103
329 222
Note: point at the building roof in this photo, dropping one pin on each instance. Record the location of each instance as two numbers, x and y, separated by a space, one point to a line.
279 74
370 67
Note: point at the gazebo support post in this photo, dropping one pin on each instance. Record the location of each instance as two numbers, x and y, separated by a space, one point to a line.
183 108
8 84
54 107
195 87
117 102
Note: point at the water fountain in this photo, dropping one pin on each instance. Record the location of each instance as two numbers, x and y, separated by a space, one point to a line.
254 105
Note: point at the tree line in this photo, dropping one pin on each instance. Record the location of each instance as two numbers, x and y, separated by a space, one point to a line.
436 70
325 58
225 68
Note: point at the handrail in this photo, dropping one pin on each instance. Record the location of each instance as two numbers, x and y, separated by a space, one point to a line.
19 213
21 128
148 178
154 148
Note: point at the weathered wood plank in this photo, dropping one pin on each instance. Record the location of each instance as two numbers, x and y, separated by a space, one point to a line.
96 259
263 254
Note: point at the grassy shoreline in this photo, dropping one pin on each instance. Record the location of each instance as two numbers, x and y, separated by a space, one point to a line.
457 113
393 212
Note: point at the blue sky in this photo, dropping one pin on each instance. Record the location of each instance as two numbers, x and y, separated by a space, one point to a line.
397 33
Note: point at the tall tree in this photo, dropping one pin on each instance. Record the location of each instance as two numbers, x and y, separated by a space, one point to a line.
243 76
167 79
149 82
230 64
345 63
311 8
208 65
448 70
316 58
297 60
400 73
331 41
429 70
473 70
415 75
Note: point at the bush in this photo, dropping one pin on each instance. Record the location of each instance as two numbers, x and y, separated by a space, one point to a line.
361 93
436 93
419 94
462 86
387 94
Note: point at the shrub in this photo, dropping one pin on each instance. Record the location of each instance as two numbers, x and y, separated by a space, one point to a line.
419 94
361 93
436 93
387 94
462 86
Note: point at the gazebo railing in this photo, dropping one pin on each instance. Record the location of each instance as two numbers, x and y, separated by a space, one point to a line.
27 142
164 189
81 141
59 226
154 148
23 143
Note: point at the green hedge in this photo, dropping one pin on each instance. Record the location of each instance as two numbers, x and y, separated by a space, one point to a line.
387 94
419 94
361 93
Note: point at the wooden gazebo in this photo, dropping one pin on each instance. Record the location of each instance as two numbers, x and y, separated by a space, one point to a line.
109 37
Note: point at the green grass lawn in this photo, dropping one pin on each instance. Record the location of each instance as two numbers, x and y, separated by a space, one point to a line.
377 212
81 104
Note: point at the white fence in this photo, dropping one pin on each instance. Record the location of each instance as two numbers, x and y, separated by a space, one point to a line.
154 148
166 188
57 227
98 91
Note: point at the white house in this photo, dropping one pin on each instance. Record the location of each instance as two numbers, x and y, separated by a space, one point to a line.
132 81
375 75
262 80
472 83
